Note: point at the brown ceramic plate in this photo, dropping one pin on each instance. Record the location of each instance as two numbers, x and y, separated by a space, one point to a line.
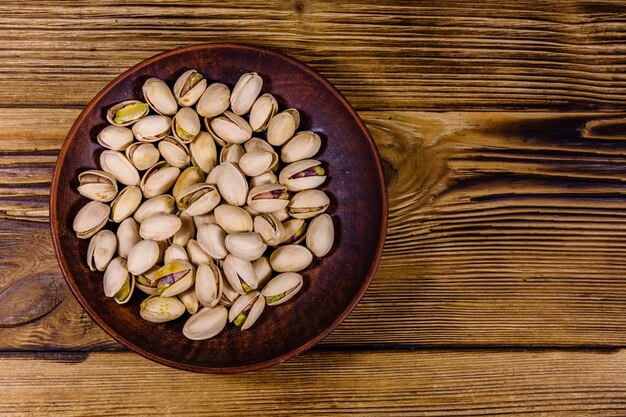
333 285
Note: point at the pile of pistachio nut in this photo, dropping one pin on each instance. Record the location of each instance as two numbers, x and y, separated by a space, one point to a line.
194 211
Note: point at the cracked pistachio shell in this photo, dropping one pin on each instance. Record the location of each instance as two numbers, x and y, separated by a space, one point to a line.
248 246
127 236
257 162
125 203
231 128
211 239
281 288
155 205
189 177
203 152
117 282
175 253
282 127
302 175
209 284
158 309
142 155
158 179
127 112
233 219
174 278
115 137
282 214
152 128
240 274
144 282
90 219
303 145
198 199
214 101
268 198
232 184
247 309
266 178
159 96
269 228
175 152
307 204
197 255
143 256
263 270
202 219
97 185
160 227
189 299
101 250
231 152
186 125
290 258
320 235
116 164
258 144
263 109
207 323
229 295
189 87
245 93
186 232
295 231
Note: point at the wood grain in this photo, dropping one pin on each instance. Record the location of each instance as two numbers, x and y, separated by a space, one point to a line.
505 229
418 383
438 55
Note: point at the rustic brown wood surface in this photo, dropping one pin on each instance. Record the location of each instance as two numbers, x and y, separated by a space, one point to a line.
502 127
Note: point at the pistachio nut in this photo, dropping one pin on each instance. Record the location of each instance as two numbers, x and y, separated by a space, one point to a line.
189 87
229 295
265 178
268 198
245 93
231 128
251 211
303 175
320 236
143 256
186 231
202 219
211 239
209 284
263 109
240 274
203 152
282 214
303 145
281 288
246 310
127 236
144 282
189 299
127 112
263 270
231 152
97 185
258 144
198 199
269 228
257 162
152 128
175 253
295 231
115 137
233 219
290 258
116 164
232 184
160 226
142 155
308 203
207 323
90 219
125 203
190 176
101 250
186 124
159 96
158 179
158 309
214 175
155 205
197 255
248 246
174 278
282 127
175 152
117 282
214 100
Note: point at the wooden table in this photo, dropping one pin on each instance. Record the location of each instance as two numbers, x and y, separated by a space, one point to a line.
502 286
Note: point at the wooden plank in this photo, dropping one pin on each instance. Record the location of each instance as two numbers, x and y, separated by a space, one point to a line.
438 55
505 228
418 383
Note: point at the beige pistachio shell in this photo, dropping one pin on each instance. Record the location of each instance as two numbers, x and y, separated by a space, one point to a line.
269 228
97 185
214 101
125 203
144 282
282 288
160 227
189 87
231 128
127 112
117 282
209 284
232 184
294 231
158 309
127 236
197 255
320 235
231 152
229 295
90 219
143 256
101 250
198 199
266 178
290 258
303 145
116 164
282 214
214 175
212 238
159 96
251 211
174 278
263 270
246 310
302 175
186 232
189 299
175 253
152 128
189 177
158 179
142 155
155 205
233 219
115 137
258 144
245 93
202 219
257 162
207 323
282 127
307 204
186 125
175 152
268 198
240 274
203 152
248 246
263 109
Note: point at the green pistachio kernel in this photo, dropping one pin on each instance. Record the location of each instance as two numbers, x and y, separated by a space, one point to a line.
130 112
